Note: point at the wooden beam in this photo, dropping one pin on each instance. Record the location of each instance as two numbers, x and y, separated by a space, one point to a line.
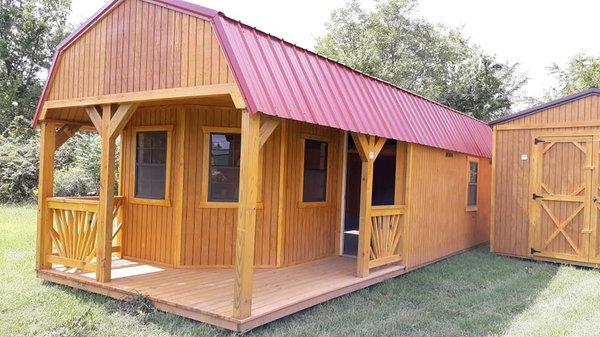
268 126
106 202
94 115
45 190
65 132
178 208
203 91
363 255
120 118
246 218
281 191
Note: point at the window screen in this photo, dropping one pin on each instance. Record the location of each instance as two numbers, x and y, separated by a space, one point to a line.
151 164
315 171
224 167
472 191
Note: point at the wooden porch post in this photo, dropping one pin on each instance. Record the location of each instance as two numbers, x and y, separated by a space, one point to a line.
106 203
45 190
368 149
246 221
109 126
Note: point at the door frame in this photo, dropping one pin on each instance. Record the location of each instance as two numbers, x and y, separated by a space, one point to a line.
590 208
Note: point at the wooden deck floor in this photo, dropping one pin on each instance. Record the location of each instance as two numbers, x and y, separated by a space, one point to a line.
206 295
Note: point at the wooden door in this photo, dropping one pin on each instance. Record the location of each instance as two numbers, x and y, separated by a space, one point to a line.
561 193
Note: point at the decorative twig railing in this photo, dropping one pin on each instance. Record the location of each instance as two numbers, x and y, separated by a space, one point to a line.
73 230
387 224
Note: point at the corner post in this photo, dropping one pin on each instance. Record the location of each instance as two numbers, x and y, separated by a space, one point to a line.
45 191
246 219
106 203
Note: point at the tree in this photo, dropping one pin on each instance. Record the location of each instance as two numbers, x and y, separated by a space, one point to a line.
581 73
29 33
431 60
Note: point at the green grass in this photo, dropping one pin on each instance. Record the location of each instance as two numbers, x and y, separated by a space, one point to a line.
472 294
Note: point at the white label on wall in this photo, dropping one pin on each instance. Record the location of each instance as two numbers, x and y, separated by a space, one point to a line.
524 156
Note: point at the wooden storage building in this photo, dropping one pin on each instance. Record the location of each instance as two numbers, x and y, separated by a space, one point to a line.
256 178
546 181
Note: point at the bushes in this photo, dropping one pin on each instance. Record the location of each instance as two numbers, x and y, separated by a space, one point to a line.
77 164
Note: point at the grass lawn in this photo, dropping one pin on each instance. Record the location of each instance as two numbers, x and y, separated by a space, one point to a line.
471 294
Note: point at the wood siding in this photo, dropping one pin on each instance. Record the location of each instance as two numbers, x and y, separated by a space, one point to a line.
309 232
510 227
148 228
439 224
140 46
209 233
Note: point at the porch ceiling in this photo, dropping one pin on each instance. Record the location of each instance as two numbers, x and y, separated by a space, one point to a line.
207 294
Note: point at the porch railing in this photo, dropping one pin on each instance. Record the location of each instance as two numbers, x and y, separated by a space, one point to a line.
387 225
72 228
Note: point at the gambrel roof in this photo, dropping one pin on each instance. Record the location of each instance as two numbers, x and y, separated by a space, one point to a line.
280 79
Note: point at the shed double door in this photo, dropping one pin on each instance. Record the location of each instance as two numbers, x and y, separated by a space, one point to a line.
564 205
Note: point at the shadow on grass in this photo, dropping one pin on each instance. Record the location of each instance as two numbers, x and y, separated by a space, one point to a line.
472 294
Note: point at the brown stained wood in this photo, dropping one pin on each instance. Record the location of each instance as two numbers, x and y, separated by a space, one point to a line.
123 40
246 224
178 208
106 203
437 224
95 117
45 190
64 133
205 294
516 218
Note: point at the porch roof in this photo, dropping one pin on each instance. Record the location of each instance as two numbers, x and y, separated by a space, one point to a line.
280 79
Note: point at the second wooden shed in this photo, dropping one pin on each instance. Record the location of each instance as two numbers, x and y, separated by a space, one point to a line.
546 184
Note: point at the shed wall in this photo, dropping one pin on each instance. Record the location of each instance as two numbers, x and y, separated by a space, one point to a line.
439 224
510 217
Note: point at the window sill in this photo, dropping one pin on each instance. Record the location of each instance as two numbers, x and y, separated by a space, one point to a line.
313 204
471 209
217 204
151 202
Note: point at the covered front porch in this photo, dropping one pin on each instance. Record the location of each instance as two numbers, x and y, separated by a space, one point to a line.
207 294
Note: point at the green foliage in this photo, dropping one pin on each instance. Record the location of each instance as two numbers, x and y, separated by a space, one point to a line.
77 164
18 162
581 73
29 33
431 60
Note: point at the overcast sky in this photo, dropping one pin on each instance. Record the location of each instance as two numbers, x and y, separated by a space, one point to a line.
533 33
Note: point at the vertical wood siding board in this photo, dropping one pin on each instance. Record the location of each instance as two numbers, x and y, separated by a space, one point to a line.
214 69
199 66
191 203
170 37
206 53
198 227
163 47
185 36
195 26
150 49
177 50
126 44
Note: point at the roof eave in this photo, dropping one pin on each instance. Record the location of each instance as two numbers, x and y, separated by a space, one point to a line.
532 110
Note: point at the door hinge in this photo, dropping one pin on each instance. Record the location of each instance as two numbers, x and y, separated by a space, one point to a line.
536 141
536 196
535 251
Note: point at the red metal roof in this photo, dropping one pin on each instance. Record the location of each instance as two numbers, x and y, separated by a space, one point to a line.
280 79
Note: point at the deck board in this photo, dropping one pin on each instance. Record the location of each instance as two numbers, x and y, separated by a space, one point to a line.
207 294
